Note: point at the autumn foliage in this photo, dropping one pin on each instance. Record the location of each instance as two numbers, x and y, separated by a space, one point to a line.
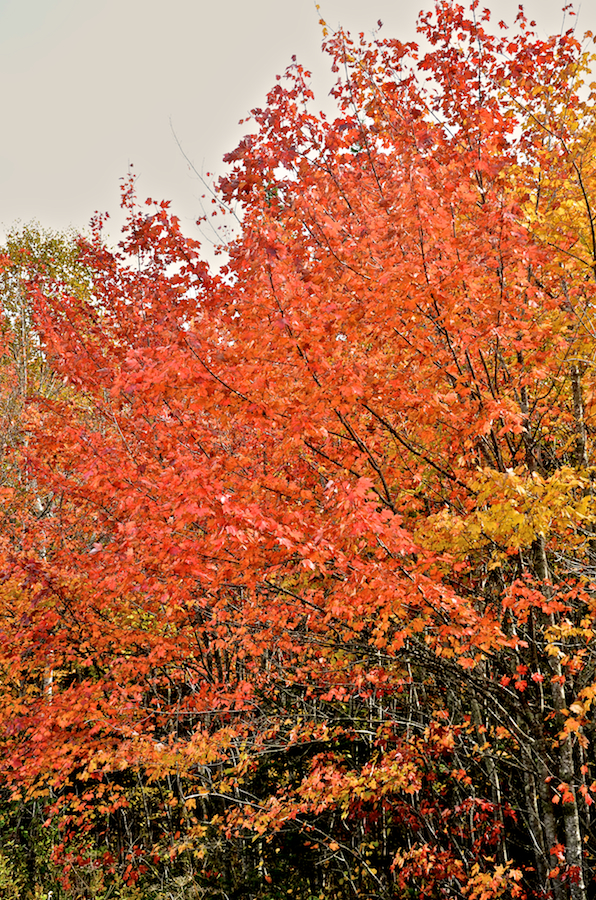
298 557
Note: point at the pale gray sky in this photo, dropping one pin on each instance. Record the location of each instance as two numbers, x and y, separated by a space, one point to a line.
90 86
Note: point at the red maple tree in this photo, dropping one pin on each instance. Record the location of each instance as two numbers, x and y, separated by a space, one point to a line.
305 553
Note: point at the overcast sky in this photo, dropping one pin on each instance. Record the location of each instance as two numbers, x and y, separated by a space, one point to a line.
89 86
